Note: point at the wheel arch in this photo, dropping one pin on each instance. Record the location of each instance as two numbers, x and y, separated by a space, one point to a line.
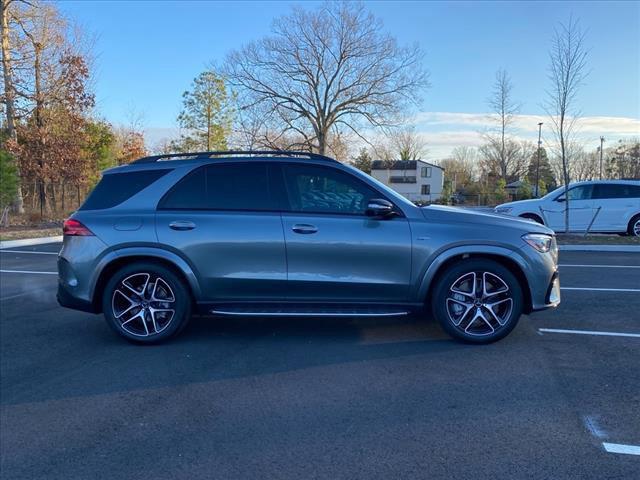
120 258
507 258
532 216
632 220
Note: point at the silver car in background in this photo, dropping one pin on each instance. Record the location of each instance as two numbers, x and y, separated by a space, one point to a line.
292 234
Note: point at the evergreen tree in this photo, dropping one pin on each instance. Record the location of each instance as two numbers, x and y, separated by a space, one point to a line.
363 161
546 179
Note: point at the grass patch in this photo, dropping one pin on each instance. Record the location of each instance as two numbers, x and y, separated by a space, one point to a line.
18 233
596 239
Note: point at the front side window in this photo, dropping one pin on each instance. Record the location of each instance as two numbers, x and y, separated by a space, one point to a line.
316 189
232 186
583 192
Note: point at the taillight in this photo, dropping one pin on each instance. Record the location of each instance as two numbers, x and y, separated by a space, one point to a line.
74 228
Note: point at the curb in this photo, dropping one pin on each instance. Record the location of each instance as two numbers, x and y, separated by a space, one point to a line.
27 242
600 248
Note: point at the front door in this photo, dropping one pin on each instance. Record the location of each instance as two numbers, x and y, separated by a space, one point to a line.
334 251
580 209
223 221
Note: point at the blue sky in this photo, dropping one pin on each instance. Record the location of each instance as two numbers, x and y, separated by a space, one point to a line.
149 51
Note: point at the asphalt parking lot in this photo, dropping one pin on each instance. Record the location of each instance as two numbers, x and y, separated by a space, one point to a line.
394 398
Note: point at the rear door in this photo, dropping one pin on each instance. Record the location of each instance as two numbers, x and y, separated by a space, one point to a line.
617 203
334 251
224 220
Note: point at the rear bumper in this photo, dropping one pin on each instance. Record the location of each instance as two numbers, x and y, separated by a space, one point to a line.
66 299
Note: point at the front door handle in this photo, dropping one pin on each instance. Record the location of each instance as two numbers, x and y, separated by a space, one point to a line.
182 225
304 228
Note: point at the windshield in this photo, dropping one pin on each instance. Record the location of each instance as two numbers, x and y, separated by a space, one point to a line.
555 192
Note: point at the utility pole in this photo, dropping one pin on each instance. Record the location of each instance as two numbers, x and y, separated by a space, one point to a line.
538 164
601 142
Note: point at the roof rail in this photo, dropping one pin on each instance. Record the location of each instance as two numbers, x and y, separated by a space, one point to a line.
245 153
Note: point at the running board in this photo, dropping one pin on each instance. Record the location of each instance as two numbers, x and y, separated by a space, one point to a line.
248 312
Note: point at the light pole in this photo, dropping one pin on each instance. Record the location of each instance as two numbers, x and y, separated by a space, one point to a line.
601 142
538 164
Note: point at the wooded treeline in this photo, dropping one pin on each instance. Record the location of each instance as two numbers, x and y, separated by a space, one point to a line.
327 79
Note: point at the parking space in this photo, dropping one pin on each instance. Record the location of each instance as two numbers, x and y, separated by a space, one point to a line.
386 398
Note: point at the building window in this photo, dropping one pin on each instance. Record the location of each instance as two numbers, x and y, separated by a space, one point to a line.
426 190
404 179
426 172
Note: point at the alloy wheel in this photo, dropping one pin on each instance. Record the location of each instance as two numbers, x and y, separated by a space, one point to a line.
479 303
636 228
143 304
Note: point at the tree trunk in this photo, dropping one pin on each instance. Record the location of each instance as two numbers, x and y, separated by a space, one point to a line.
9 93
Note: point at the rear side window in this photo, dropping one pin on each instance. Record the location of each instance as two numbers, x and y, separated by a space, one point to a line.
233 186
115 188
603 191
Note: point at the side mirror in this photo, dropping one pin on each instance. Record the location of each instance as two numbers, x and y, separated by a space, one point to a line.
561 199
378 207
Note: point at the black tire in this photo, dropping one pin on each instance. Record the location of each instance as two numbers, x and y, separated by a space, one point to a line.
632 224
532 216
154 323
446 304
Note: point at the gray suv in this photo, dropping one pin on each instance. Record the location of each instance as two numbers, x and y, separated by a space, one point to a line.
292 234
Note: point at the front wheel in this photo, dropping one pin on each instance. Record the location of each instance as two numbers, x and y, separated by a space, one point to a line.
477 301
146 303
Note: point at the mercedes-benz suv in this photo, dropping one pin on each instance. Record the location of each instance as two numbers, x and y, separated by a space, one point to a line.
292 234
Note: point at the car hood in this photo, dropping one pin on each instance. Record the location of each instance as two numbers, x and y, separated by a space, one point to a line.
521 203
464 215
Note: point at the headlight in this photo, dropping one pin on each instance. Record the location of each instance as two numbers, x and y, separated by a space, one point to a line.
504 210
539 241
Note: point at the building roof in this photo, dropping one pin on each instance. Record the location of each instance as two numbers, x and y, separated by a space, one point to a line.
400 164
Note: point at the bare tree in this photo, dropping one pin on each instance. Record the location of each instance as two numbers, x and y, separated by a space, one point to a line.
408 144
567 72
324 69
499 148
9 93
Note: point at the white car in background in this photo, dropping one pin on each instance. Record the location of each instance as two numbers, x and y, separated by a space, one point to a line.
612 205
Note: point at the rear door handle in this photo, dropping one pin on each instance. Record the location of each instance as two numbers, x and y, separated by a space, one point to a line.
182 225
304 228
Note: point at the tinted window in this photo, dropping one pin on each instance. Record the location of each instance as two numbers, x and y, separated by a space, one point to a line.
326 190
115 188
613 190
405 179
233 186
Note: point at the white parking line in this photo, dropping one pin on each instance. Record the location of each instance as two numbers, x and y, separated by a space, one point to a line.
28 271
599 266
589 289
589 332
28 251
621 448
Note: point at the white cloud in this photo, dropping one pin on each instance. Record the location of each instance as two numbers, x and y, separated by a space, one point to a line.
444 131
595 124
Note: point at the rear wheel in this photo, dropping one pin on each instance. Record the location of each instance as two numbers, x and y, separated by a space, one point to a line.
146 303
634 226
477 301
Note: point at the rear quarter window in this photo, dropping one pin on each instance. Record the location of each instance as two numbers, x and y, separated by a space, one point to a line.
115 188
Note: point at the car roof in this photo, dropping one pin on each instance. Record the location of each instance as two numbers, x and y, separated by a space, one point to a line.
605 182
173 160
